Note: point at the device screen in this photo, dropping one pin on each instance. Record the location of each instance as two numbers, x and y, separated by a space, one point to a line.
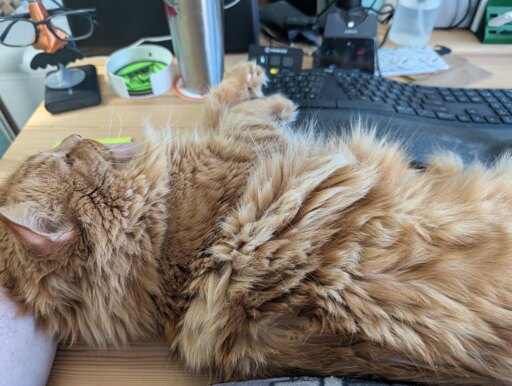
353 54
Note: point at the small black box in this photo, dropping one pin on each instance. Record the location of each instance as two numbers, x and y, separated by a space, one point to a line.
350 41
85 94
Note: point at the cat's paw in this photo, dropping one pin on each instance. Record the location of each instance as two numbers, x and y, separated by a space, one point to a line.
283 108
250 77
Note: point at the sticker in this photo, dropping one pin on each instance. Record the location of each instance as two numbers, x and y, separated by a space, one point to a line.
136 75
105 141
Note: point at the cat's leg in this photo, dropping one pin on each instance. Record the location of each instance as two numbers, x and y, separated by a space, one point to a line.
242 82
258 121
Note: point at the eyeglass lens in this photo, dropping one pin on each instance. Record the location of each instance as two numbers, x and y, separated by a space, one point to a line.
68 26
17 33
73 26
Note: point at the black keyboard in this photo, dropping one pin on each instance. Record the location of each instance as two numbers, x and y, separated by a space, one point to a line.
475 123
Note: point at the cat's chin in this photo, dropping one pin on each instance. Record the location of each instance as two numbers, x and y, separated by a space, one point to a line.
123 152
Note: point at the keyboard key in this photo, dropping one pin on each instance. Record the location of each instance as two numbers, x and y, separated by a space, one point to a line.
476 99
507 119
449 99
425 113
463 118
472 111
318 103
503 99
432 102
362 105
435 108
477 118
445 116
463 99
404 110
492 119
503 112
432 96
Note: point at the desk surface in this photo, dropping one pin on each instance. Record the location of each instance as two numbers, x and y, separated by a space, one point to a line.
148 363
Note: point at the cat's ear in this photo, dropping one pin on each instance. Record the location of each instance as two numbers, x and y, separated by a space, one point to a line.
124 152
38 236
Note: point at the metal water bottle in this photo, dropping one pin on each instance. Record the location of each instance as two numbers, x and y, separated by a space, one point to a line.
198 41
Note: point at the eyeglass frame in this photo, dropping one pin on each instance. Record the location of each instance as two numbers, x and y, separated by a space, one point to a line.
89 12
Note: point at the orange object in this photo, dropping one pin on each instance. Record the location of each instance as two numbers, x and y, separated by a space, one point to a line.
47 41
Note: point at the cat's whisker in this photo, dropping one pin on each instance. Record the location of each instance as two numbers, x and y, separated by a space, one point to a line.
148 119
168 122
110 124
120 124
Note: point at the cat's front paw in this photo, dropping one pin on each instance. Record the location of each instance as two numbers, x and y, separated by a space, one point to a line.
250 77
283 108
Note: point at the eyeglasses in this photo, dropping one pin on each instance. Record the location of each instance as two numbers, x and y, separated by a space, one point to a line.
72 25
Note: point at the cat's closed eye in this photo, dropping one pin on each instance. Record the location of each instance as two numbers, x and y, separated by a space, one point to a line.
68 160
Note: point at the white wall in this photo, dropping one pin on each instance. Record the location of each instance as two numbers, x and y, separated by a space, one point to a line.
21 88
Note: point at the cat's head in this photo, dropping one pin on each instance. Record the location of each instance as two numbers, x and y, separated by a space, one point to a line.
71 221
40 203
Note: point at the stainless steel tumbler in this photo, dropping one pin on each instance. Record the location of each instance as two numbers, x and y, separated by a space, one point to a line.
198 41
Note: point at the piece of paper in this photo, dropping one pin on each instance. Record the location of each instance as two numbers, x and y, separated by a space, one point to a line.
409 60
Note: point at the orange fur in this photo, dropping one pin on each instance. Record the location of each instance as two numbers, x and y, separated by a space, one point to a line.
255 251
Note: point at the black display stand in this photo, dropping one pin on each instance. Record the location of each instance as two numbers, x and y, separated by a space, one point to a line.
68 89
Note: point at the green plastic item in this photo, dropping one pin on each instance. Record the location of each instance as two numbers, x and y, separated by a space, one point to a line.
106 141
495 35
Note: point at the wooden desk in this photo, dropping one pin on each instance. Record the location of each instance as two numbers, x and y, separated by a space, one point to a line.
147 363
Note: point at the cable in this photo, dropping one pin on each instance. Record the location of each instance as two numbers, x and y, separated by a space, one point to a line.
388 15
326 8
232 4
457 24
385 37
150 39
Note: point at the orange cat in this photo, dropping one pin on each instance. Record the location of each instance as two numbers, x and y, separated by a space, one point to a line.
256 252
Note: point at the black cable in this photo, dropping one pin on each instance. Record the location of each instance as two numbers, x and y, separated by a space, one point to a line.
326 8
388 15
385 37
466 14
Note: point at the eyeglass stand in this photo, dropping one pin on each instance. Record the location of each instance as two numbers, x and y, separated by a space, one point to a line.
64 78
68 88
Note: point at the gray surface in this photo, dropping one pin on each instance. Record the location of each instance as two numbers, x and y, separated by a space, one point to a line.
310 381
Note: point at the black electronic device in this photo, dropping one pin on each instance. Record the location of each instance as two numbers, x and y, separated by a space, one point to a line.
350 40
276 60
85 94
241 26
474 123
281 21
